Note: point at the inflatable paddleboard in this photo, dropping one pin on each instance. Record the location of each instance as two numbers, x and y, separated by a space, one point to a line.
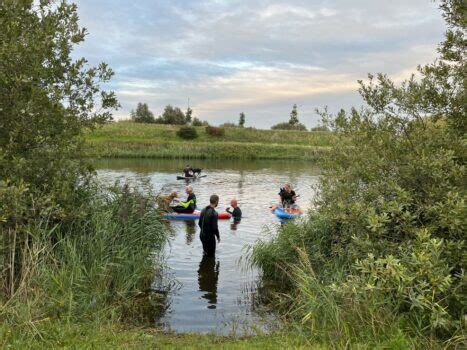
282 214
194 216
190 177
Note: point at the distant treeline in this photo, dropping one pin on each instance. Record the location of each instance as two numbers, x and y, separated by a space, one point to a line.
175 116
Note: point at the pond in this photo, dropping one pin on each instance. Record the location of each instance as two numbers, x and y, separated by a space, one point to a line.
217 295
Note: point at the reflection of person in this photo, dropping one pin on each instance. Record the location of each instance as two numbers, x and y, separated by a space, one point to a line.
189 205
236 212
208 275
190 231
209 229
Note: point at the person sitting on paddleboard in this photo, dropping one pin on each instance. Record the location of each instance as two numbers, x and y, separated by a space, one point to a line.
189 206
288 196
236 212
208 225
188 171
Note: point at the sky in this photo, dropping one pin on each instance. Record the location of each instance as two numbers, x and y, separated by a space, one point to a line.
260 57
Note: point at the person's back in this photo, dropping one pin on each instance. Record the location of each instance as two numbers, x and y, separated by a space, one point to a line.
208 225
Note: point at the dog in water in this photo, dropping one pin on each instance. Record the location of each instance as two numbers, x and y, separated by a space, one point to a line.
163 202
196 171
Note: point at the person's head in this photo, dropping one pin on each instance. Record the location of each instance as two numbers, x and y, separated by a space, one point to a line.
287 187
214 200
233 203
189 190
187 166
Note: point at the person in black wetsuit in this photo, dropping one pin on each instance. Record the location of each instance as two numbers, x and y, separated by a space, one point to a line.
236 212
208 224
288 196
188 171
189 205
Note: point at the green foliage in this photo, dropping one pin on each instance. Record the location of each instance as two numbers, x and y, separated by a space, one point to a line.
172 116
228 125
288 126
188 114
198 122
292 124
97 265
294 116
142 114
241 120
187 133
320 128
215 131
390 220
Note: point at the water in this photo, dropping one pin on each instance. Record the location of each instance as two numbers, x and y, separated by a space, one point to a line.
217 295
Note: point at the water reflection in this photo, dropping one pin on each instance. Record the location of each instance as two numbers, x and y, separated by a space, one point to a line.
208 275
190 226
234 224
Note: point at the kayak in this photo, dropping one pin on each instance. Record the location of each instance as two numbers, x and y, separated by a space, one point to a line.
282 214
194 216
189 177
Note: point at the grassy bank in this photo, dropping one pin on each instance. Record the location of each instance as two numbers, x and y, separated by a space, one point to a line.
125 139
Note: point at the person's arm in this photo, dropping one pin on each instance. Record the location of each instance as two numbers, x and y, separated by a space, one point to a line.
201 219
228 210
215 227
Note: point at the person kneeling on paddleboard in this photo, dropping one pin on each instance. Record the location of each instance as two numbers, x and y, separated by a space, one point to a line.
188 171
208 225
189 205
288 196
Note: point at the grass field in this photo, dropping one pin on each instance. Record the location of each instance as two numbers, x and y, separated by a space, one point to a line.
125 139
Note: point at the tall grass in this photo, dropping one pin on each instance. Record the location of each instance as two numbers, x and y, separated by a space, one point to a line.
100 266
126 139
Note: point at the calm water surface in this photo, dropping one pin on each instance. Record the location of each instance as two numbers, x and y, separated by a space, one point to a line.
217 295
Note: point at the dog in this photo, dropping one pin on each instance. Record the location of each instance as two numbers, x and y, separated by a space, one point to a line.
196 171
163 202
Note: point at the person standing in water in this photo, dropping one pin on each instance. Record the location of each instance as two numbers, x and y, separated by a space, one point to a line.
208 225
188 171
236 212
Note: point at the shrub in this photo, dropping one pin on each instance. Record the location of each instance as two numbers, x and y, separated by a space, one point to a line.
187 133
320 128
215 131
288 126
198 122
228 125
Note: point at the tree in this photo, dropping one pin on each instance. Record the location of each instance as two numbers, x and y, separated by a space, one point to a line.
172 115
47 99
288 126
294 116
188 114
241 120
142 114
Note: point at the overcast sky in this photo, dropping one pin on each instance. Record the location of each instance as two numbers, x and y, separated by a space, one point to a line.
255 56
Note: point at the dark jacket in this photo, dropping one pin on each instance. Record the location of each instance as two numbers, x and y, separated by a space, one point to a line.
208 223
236 213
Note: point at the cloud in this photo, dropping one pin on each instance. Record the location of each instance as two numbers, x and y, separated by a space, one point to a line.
259 56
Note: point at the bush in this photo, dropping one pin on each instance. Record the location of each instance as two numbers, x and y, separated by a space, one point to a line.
187 133
320 128
288 126
198 122
228 125
215 131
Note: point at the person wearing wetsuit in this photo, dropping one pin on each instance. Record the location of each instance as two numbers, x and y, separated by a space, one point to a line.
188 171
208 225
288 196
189 206
236 212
